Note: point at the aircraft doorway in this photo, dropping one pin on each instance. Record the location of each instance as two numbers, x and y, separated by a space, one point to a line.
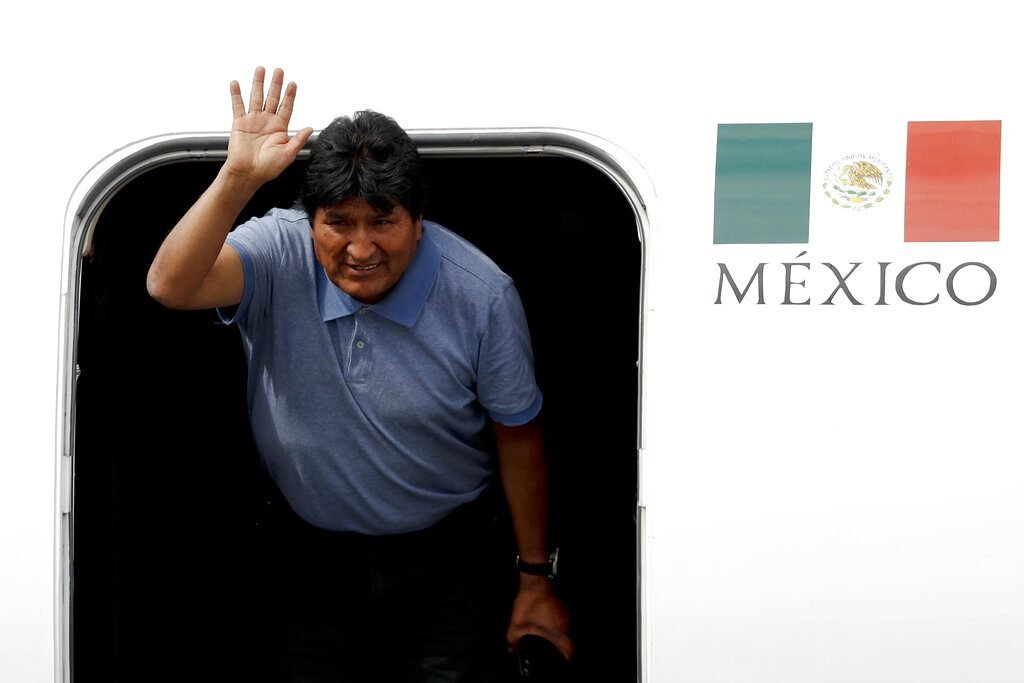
165 474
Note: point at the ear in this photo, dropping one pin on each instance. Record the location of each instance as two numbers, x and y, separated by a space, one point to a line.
419 227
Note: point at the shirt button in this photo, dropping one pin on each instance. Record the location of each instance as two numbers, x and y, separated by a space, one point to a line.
362 311
360 344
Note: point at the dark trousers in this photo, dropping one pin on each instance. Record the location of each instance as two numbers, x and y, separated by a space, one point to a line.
428 606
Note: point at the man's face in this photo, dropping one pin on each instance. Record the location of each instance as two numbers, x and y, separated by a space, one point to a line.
364 250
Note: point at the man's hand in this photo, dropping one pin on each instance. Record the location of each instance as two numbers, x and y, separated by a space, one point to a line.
194 267
259 148
539 611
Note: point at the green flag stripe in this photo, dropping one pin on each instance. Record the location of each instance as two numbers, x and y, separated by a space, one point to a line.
763 183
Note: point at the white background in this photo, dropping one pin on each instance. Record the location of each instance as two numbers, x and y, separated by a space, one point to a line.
832 492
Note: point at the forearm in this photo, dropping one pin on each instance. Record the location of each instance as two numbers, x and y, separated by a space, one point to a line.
190 251
525 477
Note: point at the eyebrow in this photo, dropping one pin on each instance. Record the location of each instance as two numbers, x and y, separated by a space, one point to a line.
335 213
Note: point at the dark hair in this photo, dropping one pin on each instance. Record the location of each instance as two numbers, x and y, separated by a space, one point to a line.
367 156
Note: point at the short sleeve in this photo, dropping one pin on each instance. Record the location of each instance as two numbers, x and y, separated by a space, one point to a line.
506 386
254 242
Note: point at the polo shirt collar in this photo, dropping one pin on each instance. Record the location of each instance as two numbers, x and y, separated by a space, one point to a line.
403 304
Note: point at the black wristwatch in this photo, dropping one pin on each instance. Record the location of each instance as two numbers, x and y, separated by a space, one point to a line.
548 569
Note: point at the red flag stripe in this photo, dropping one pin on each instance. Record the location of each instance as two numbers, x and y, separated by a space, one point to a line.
952 181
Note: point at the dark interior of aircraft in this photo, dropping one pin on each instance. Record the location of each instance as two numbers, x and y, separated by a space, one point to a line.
166 475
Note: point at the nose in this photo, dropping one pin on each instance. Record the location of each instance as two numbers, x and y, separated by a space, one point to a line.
361 247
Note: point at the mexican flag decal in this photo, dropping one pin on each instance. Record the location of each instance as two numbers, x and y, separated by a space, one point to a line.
942 176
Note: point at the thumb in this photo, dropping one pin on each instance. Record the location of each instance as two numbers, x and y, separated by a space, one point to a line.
299 140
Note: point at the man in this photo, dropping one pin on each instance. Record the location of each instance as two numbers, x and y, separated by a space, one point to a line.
380 348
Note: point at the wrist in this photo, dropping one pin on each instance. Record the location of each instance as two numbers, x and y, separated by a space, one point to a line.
528 583
236 184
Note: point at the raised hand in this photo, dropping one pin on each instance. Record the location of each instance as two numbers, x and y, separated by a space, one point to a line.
259 148
194 268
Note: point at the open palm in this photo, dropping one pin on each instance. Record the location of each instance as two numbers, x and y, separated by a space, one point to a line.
259 147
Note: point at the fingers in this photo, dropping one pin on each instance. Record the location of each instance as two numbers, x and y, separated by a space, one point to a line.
256 94
275 103
274 96
285 111
237 105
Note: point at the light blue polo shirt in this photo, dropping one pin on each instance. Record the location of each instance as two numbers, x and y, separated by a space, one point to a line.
371 418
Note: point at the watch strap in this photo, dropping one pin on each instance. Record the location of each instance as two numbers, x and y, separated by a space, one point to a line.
548 569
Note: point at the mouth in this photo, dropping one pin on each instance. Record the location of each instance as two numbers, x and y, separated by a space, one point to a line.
363 269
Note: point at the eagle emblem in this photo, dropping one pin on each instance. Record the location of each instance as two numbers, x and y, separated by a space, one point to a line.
860 174
857 181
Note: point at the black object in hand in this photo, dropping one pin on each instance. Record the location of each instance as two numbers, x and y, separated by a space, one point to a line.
539 661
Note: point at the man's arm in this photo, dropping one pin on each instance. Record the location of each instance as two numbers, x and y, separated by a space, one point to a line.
524 475
194 268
